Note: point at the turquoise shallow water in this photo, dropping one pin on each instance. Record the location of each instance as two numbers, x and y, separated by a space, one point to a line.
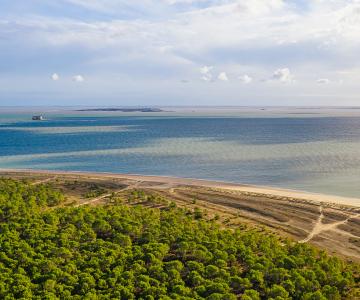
317 154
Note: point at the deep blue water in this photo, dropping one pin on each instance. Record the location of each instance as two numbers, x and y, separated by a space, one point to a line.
319 154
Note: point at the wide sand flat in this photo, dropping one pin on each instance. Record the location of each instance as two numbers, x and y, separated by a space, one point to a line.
271 191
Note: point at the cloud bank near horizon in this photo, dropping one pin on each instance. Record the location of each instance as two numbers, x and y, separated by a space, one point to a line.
143 51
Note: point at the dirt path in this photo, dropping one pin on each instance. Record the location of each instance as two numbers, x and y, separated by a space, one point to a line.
319 227
43 181
131 186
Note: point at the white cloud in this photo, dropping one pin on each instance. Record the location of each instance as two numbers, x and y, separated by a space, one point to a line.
205 71
172 2
55 77
283 75
323 81
78 78
223 76
220 25
255 36
246 79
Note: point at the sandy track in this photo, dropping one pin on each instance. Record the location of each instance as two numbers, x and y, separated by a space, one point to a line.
320 227
94 200
317 227
43 181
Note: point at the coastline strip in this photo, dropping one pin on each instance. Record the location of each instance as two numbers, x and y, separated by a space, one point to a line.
260 190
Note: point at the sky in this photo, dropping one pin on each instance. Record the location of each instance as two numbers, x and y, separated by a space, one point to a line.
179 52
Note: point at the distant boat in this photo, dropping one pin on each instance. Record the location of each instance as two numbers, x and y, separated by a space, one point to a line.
38 118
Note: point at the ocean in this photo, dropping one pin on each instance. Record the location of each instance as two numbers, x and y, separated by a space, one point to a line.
299 150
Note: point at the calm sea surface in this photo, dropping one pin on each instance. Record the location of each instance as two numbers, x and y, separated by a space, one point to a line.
317 154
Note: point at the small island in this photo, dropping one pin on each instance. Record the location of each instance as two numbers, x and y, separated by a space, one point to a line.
115 109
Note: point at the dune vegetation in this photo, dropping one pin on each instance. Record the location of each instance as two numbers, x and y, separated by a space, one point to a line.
123 250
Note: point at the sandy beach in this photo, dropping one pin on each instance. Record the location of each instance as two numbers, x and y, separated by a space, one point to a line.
263 190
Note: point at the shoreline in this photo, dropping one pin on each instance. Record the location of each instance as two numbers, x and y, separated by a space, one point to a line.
229 186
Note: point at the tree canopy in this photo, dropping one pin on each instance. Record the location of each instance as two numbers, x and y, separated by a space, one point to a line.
121 251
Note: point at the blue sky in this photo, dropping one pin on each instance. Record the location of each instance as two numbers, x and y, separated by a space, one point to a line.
179 52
